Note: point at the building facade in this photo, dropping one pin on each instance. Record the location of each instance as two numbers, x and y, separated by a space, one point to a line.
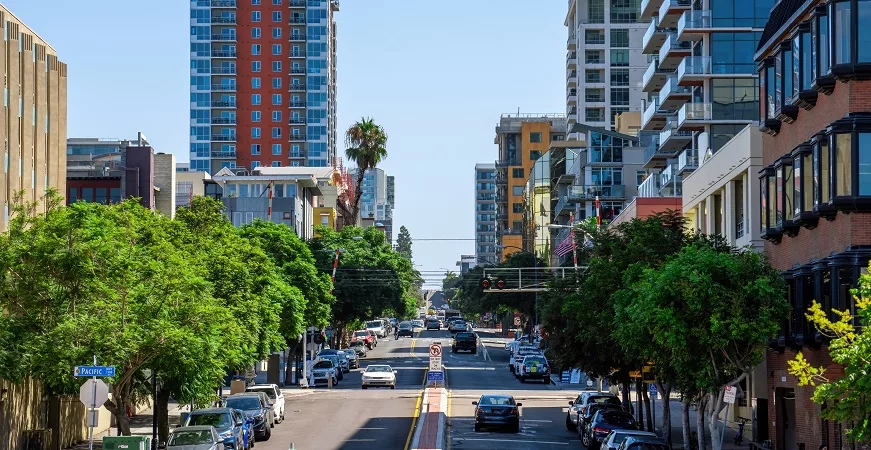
377 200
263 83
814 190
485 214
33 122
604 64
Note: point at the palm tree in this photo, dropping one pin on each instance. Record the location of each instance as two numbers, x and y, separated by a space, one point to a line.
367 146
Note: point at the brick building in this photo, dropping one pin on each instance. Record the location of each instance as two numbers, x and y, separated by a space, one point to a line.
815 190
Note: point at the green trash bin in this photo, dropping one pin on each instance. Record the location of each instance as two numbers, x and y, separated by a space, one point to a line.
127 443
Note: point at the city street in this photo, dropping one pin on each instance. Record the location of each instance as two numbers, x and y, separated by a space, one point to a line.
351 418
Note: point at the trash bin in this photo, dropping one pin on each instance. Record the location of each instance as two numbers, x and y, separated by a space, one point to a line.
127 443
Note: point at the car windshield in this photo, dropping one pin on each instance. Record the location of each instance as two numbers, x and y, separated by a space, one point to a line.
270 392
191 437
378 369
351 353
356 344
215 419
616 418
374 324
324 365
496 401
361 334
244 403
605 400
405 325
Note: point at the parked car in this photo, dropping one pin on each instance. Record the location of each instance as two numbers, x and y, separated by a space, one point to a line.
374 336
616 437
203 437
497 410
433 324
590 412
406 329
366 337
465 341
353 360
360 347
457 325
534 367
276 397
602 423
379 375
643 443
417 323
230 425
344 362
337 362
579 405
378 327
323 371
521 353
256 408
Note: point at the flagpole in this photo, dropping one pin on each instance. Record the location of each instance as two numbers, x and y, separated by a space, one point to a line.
574 244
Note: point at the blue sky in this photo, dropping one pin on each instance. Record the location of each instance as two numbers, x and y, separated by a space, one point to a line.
435 74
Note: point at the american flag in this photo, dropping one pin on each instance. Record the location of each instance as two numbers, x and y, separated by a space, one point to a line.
566 246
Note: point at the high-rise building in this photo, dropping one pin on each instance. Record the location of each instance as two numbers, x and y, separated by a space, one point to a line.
34 122
377 200
485 214
263 83
604 64
701 83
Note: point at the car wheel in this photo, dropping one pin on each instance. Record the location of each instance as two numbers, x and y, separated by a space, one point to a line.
393 386
364 387
569 425
522 379
585 440
268 434
477 427
515 428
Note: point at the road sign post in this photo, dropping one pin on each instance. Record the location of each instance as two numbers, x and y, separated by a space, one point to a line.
653 394
93 393
729 399
435 374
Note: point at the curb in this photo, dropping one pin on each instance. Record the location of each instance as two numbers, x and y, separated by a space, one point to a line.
429 435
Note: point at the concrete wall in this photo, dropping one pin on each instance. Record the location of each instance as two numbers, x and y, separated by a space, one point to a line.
164 179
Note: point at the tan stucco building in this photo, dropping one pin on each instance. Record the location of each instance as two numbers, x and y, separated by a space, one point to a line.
33 121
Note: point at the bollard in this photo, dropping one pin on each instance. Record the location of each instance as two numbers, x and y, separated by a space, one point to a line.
330 382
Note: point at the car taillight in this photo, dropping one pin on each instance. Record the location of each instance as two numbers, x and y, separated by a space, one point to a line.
515 411
601 430
479 412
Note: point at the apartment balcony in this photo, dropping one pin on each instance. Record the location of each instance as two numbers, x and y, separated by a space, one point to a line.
655 156
649 187
688 161
297 3
297 155
595 99
223 155
694 116
696 69
595 63
224 137
223 20
671 184
649 9
224 87
223 71
572 42
673 139
225 37
223 54
565 205
297 87
297 20
654 78
590 192
297 121
654 116
223 104
653 38
297 70
572 60
296 138
223 121
670 12
223 3
667 175
673 51
572 98
297 54
297 38
694 25
672 95
591 41
296 104
594 78
572 79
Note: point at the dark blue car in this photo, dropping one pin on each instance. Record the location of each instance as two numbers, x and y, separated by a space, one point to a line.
233 426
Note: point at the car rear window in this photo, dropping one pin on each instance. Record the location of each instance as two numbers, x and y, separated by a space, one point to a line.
465 337
361 333
270 392
374 324
535 360
616 418
605 400
647 446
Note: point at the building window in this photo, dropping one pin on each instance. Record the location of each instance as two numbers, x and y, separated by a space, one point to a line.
804 62
517 191
534 155
255 132
625 11
255 16
276 149
255 116
535 137
596 11
822 46
255 66
517 208
255 32
255 49
842 156
619 77
619 97
619 38
276 83
843 34
276 33
594 37
255 149
276 116
276 99
255 82
620 58
276 16
276 163
802 181
517 173
276 132
276 66
255 99
276 49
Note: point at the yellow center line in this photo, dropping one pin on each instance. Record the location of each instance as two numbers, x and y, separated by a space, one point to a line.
450 425
414 421
411 352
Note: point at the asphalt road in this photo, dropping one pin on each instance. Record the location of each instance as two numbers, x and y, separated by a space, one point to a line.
349 418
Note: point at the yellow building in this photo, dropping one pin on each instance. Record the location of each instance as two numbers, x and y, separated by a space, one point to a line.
522 139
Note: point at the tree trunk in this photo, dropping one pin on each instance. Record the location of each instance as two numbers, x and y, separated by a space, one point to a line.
685 422
639 403
119 411
627 393
700 421
161 406
358 192
647 410
665 389
717 406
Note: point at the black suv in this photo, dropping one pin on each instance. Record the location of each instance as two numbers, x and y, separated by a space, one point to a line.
465 341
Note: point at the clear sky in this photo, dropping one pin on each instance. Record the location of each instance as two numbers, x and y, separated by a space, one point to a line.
435 74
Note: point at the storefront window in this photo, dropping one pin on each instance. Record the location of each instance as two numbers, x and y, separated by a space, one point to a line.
843 32
843 164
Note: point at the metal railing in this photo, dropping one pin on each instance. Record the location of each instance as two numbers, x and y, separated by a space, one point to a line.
223 121
528 279
594 61
223 70
593 78
297 3
297 20
297 37
224 137
223 37
300 121
297 54
296 138
223 3
649 187
594 98
223 54
223 20
223 104
223 154
297 70
296 104
596 40
223 87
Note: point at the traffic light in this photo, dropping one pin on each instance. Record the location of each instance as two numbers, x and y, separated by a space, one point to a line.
500 284
485 283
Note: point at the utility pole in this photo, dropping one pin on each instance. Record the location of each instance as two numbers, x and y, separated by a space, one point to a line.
154 410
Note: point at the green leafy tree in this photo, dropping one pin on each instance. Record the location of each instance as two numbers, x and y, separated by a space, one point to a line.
403 242
846 396
366 144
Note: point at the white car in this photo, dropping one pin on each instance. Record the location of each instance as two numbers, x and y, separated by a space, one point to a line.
517 357
276 398
379 375
378 327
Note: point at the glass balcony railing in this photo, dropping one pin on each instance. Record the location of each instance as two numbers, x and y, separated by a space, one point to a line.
671 45
672 88
699 19
702 65
695 111
668 174
688 160
590 192
671 131
673 6
649 187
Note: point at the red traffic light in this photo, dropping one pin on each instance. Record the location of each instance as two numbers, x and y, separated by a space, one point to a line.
485 283
500 284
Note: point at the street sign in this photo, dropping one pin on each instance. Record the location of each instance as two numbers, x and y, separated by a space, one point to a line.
94 393
435 350
729 396
435 376
94 371
435 363
651 388
93 418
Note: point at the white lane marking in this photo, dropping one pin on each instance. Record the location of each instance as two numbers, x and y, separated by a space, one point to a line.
522 420
511 440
